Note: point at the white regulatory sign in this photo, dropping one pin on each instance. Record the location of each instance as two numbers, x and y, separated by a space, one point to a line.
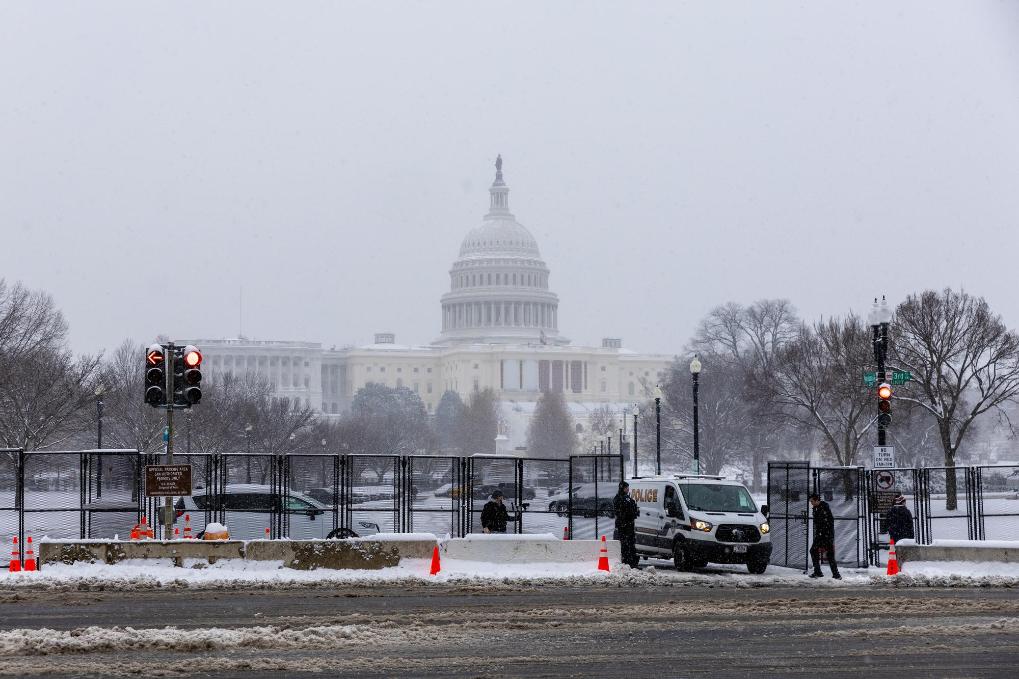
884 457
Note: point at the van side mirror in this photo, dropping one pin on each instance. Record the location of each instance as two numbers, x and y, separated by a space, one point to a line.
764 510
673 511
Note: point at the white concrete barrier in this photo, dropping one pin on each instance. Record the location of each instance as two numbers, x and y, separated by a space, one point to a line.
1000 551
526 549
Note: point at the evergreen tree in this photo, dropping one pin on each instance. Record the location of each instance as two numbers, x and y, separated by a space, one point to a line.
448 416
551 433
479 424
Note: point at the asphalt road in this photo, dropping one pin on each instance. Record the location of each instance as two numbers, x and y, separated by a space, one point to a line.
474 631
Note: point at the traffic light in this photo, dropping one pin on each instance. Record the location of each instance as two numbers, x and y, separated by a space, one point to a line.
884 404
155 375
192 375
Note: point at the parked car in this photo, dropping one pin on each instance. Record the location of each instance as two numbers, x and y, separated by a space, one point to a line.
249 508
589 500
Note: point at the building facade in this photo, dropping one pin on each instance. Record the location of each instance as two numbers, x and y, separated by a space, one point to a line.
499 330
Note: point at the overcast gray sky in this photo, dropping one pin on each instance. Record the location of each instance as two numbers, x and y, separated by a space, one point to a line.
328 158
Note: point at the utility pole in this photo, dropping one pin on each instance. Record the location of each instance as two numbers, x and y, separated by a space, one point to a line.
880 319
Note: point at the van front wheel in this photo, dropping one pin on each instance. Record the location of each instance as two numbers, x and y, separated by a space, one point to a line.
680 556
757 566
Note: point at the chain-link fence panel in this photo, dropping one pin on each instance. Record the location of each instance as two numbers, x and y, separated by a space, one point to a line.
434 491
999 502
788 493
949 504
594 482
113 494
53 495
10 497
248 496
371 493
311 501
485 475
844 490
541 482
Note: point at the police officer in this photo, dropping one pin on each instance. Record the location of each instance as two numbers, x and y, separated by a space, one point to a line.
494 515
626 514
824 537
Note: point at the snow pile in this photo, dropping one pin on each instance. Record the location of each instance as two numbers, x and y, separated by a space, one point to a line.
37 642
953 574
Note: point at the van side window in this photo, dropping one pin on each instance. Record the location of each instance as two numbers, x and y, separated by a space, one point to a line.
672 507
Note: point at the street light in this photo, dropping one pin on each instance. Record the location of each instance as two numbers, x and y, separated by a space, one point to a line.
636 412
100 388
695 371
247 458
658 429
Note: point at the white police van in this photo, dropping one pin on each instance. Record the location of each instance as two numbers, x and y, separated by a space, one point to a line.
697 519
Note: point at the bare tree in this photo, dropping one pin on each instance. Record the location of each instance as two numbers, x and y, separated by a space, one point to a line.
965 363
749 338
44 389
479 423
815 382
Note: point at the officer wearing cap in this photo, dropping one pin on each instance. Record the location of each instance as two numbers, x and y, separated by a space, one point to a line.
494 516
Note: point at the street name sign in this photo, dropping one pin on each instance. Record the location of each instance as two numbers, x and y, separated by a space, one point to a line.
162 480
884 457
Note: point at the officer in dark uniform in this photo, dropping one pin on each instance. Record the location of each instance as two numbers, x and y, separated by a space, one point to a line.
494 515
626 514
824 537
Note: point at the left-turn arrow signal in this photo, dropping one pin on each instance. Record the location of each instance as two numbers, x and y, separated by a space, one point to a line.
155 357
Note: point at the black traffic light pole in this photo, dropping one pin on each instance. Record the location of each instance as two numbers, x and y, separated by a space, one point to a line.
170 369
880 353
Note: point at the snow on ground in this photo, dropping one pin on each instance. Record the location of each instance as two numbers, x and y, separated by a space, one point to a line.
148 574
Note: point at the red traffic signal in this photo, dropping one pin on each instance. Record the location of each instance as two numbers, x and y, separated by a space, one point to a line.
192 357
884 404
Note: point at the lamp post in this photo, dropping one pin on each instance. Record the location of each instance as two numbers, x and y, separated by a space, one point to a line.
100 388
247 458
658 429
636 412
695 371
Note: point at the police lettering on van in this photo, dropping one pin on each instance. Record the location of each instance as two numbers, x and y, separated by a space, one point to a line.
697 520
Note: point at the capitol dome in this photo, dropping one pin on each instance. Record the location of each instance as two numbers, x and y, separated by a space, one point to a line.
499 284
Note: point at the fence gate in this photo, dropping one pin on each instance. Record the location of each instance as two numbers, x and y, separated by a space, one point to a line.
485 474
594 482
845 491
788 490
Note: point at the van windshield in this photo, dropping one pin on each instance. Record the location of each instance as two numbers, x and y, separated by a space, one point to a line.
709 497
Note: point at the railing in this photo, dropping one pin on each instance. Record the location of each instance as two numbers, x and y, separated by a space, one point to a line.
90 494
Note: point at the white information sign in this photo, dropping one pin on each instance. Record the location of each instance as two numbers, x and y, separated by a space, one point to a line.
884 457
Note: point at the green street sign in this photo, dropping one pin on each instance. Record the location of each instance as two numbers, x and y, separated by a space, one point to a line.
900 377
869 379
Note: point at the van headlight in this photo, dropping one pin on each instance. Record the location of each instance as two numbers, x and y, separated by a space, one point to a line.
765 528
697 524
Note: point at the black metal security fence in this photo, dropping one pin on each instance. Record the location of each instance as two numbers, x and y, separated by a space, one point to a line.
947 503
91 494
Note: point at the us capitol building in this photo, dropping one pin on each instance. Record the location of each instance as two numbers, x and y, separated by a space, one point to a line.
500 330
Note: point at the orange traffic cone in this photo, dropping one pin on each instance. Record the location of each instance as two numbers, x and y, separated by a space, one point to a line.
135 533
435 561
267 533
603 557
176 533
15 566
893 563
29 556
144 530
187 527
566 532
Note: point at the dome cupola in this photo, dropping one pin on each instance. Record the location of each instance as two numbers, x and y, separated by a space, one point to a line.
499 284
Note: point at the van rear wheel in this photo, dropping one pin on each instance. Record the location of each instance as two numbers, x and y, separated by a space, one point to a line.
680 556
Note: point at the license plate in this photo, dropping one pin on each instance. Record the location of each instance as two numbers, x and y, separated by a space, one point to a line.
739 549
